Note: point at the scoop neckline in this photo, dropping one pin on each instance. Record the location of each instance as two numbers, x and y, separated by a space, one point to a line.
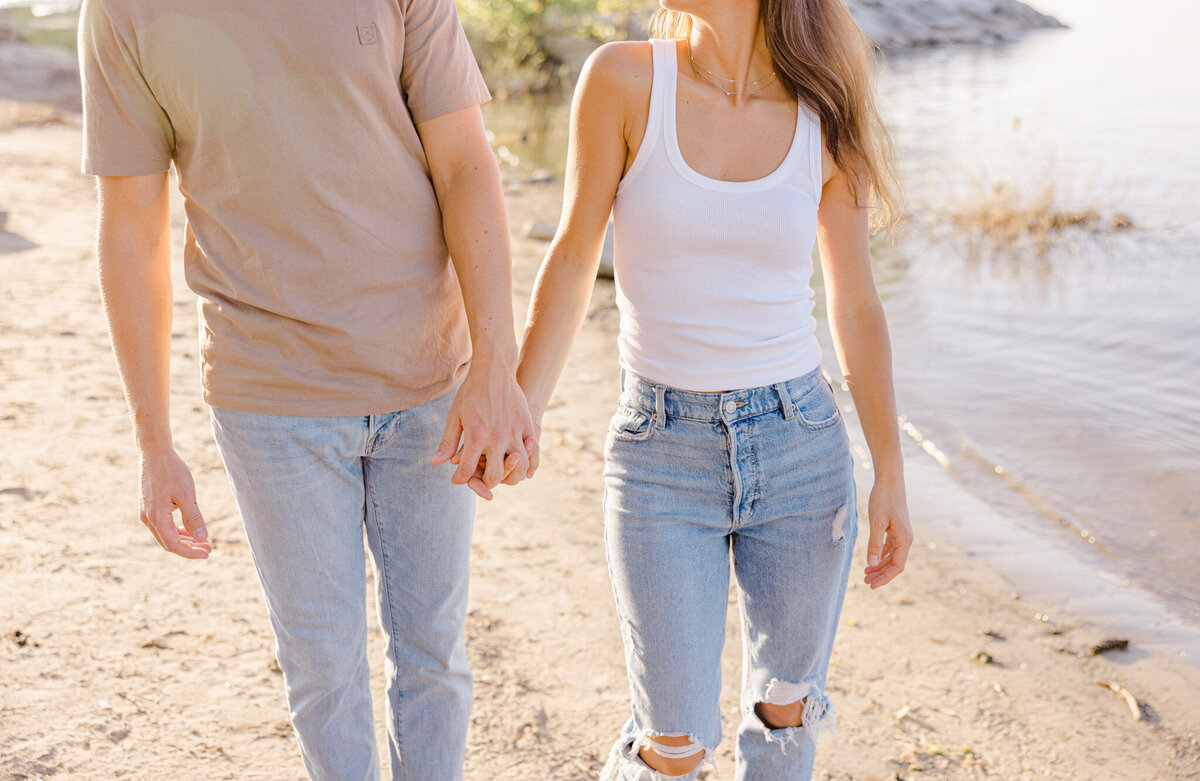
685 170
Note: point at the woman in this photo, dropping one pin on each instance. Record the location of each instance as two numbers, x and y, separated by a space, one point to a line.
706 145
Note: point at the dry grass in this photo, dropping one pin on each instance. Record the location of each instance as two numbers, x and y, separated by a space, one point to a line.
1005 215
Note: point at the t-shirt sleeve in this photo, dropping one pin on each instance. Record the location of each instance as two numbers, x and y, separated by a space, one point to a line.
439 73
125 130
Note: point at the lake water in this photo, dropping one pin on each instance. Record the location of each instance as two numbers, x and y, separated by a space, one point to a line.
1061 380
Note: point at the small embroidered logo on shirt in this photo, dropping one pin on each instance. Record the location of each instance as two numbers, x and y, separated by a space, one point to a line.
367 34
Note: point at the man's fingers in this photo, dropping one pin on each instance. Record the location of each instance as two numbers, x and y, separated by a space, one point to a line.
193 521
450 437
153 530
162 523
468 459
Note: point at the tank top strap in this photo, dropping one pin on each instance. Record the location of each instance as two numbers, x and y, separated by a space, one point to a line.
662 81
816 149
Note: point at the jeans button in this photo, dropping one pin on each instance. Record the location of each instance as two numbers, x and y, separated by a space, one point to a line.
731 407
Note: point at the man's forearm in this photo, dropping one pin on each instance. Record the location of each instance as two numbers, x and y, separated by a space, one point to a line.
489 412
476 230
133 253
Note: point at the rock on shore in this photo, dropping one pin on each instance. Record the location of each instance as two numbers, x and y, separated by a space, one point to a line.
901 24
891 24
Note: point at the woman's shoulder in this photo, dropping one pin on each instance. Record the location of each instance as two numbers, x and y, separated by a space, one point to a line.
622 67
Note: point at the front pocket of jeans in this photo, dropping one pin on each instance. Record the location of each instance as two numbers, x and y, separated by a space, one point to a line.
630 425
817 409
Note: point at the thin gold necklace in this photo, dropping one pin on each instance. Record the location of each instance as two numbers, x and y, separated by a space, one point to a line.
709 76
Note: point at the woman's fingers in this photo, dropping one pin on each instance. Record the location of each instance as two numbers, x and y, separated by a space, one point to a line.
875 543
513 473
534 452
516 465
893 557
480 488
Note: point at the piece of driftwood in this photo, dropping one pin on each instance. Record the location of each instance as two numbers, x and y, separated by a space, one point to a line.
1134 707
1109 645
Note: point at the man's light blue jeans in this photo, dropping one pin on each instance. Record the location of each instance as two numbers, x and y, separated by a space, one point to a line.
307 488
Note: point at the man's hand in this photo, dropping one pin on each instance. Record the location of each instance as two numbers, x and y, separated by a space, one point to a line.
498 437
167 486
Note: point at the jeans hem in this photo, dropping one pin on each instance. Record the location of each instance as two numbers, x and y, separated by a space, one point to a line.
625 763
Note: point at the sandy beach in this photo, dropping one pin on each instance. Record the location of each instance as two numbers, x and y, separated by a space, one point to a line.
119 661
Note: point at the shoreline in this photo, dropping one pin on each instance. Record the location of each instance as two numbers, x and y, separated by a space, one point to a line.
1054 568
123 661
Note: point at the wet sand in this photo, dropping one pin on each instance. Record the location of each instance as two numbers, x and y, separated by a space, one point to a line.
119 661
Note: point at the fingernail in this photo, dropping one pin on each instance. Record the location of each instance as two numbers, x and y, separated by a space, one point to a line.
201 534
873 559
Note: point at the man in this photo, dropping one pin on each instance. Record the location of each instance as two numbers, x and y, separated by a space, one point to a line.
347 238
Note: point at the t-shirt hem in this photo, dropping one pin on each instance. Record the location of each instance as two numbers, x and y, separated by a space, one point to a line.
124 168
331 408
450 105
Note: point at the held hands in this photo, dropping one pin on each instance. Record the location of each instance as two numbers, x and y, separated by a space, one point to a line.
891 534
166 486
498 435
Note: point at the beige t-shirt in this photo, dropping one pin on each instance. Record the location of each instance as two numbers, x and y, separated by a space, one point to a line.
314 237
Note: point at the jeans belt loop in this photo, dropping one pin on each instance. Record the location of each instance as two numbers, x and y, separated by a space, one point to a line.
785 401
660 407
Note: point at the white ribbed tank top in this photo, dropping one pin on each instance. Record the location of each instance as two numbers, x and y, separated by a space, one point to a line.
713 277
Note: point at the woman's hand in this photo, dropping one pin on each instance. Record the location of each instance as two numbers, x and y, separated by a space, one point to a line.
891 533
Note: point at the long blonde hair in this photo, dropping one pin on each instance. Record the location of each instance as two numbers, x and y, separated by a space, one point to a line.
826 62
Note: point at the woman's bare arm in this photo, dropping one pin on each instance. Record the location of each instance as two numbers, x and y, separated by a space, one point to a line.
596 158
860 336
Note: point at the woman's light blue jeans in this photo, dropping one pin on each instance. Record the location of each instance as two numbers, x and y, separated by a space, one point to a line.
762 478
307 488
